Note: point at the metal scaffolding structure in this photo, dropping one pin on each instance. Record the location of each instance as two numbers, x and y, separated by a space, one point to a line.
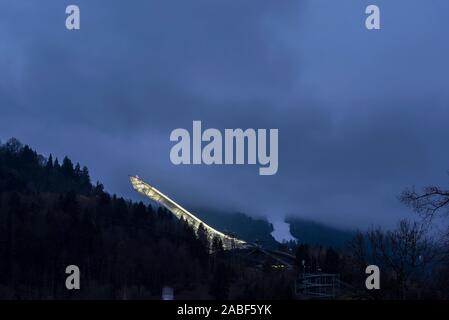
147 190
317 285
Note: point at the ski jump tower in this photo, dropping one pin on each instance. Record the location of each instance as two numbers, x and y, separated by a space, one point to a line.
144 188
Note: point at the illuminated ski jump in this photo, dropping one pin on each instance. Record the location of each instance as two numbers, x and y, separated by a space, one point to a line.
144 188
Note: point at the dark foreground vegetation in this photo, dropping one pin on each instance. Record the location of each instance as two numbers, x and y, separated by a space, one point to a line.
52 216
413 258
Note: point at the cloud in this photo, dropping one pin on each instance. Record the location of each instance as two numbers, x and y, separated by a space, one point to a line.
361 115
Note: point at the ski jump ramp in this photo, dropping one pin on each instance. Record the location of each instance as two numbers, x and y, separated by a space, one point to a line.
147 190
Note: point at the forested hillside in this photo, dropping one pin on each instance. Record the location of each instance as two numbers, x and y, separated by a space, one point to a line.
244 227
51 216
314 233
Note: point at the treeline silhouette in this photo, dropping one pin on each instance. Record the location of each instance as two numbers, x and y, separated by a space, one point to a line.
413 260
51 216
23 170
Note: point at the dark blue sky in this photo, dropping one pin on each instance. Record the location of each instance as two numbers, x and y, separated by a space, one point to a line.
361 114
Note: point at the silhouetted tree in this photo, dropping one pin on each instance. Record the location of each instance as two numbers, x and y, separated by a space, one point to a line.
405 256
303 257
332 261
49 165
202 235
52 216
429 202
220 282
57 165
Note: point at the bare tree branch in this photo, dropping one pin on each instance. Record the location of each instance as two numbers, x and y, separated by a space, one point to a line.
428 203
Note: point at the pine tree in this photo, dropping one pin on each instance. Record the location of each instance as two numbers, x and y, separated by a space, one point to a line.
331 261
67 167
86 185
303 257
220 282
49 165
217 246
201 233
99 189
77 171
56 165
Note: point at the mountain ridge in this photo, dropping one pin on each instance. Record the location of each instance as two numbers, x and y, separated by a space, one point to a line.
259 229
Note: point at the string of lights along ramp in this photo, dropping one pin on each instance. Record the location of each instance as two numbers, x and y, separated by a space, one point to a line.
147 190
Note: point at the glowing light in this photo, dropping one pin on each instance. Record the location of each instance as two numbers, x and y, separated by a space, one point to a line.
151 192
